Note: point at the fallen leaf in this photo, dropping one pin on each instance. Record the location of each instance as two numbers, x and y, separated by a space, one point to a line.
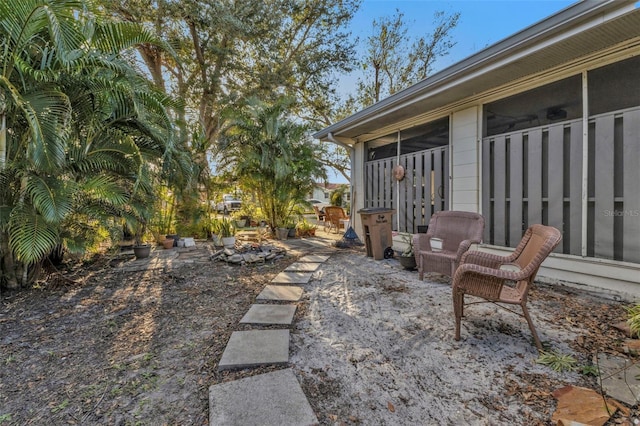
391 407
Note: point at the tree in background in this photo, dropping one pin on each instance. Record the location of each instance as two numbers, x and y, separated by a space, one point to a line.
270 156
394 62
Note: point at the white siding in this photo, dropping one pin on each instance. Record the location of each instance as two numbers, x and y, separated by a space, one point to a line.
464 161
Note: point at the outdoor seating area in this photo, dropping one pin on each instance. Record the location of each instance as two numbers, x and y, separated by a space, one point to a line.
336 218
486 275
449 236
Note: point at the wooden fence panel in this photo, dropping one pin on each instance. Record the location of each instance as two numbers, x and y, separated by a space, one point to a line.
631 186
604 187
555 179
516 174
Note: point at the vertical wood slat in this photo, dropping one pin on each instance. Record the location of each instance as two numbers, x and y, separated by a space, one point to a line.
390 198
604 187
487 162
418 179
375 185
534 184
369 185
575 189
409 185
428 166
631 192
447 200
401 196
555 179
499 194
439 187
515 189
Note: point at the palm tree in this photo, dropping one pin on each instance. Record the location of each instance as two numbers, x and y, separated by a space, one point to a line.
269 156
83 137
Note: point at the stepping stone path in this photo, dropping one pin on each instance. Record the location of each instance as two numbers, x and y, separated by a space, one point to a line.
292 278
254 348
269 314
287 293
272 398
303 267
267 399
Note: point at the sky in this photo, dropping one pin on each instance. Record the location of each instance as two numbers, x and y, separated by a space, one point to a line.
481 24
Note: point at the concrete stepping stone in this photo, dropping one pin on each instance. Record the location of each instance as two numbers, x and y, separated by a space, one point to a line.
619 378
287 293
274 398
303 267
269 314
292 278
314 258
256 347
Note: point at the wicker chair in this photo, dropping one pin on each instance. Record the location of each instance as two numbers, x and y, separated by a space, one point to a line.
334 216
320 217
486 275
457 230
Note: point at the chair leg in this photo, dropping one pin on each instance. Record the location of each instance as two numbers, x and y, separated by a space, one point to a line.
458 306
420 269
536 339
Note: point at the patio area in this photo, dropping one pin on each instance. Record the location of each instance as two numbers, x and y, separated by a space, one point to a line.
372 344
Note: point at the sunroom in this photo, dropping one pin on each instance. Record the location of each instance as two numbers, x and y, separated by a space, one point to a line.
542 127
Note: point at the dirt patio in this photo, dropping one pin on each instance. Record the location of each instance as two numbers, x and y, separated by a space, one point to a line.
370 344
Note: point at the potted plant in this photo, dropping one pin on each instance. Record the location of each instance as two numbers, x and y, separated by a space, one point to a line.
406 257
141 250
239 219
291 226
306 229
227 233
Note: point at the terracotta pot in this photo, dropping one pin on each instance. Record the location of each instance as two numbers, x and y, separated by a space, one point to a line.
168 243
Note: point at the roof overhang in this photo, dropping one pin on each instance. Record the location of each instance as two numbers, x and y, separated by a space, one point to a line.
577 31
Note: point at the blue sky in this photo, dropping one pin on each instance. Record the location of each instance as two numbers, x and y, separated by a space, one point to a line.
482 23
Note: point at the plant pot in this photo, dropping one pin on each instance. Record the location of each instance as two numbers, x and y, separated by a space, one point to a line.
142 251
228 242
282 233
407 262
241 223
175 238
216 240
291 233
168 243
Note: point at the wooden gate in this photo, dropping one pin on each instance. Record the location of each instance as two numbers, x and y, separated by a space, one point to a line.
423 191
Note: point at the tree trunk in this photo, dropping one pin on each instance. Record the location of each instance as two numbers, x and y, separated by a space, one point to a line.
7 264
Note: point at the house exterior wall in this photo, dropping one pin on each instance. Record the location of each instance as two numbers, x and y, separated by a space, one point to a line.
469 185
465 178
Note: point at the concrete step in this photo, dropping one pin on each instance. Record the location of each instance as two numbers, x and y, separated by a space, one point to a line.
269 314
288 293
274 398
292 278
254 348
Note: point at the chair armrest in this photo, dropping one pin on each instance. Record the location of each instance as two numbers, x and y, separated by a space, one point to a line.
463 248
482 258
490 273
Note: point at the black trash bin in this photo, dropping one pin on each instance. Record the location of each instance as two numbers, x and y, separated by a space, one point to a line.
376 227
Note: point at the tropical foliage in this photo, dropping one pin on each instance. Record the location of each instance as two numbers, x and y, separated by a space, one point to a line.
269 155
83 137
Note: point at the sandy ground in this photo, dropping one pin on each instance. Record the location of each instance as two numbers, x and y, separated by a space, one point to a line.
109 343
376 347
